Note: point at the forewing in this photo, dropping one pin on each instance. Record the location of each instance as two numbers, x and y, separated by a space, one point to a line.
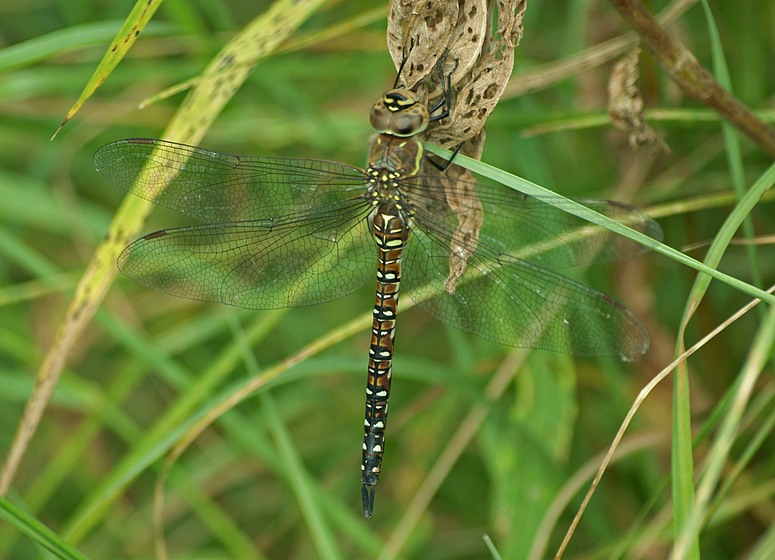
299 259
213 187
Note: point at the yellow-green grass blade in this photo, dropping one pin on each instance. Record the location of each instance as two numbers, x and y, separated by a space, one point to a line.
765 181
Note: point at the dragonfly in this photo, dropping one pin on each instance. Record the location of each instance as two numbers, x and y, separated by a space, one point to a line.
287 232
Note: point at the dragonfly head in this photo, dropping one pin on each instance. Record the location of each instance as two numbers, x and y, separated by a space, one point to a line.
399 113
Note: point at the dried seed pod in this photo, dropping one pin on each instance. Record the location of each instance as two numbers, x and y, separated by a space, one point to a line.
422 33
477 95
625 104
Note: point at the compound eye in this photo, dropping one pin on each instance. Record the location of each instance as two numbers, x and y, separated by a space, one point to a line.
410 121
405 124
380 117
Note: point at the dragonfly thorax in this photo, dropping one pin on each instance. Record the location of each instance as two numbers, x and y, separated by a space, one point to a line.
399 113
392 159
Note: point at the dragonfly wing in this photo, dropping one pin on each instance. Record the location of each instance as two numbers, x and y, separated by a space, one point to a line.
531 229
214 187
295 260
513 302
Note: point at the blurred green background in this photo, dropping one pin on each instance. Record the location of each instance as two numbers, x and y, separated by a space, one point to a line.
278 476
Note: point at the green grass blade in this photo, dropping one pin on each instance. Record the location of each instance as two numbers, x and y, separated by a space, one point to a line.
135 22
38 532
190 123
765 548
765 181
689 509
238 544
756 361
66 41
168 429
732 139
298 476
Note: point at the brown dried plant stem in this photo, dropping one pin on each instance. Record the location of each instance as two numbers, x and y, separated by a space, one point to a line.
692 77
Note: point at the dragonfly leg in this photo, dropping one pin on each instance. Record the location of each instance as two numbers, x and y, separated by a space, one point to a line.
403 62
446 88
443 166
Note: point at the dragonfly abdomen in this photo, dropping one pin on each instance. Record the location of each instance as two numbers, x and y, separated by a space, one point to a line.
390 234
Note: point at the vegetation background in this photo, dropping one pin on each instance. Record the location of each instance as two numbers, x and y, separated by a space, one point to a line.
278 476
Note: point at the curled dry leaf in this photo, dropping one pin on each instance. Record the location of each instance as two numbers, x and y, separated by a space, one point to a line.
476 96
625 104
461 197
420 33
